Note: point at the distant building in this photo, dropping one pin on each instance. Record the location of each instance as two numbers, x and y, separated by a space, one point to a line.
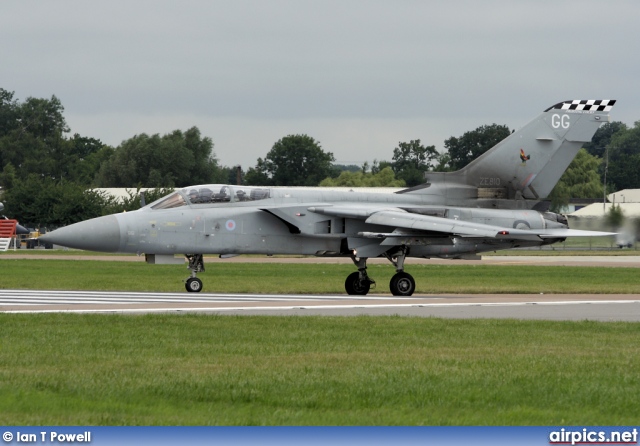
593 216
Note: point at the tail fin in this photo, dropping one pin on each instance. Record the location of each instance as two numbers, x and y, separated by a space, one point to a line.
529 162
532 159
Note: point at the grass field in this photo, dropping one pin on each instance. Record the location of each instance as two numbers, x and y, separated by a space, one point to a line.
312 278
201 370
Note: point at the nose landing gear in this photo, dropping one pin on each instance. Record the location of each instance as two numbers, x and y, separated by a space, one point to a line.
196 265
359 283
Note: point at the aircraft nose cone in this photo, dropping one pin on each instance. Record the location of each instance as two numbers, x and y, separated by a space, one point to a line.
97 234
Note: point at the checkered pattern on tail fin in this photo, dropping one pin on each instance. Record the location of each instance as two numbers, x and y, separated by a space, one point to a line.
585 105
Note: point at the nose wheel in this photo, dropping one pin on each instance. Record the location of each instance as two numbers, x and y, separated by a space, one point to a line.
358 283
356 286
193 285
196 265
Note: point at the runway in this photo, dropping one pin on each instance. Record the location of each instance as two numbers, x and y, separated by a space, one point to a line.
601 307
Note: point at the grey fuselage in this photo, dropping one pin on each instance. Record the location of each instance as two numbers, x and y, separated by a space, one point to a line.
290 221
490 204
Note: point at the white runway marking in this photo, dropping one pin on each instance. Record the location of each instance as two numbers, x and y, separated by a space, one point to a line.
35 301
38 297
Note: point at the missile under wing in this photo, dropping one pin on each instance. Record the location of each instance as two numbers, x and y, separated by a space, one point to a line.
491 204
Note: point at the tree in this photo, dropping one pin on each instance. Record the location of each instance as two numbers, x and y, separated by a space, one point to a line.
377 166
615 217
295 160
602 138
580 180
132 201
472 144
411 160
624 158
444 163
8 112
383 178
39 201
84 159
32 135
175 159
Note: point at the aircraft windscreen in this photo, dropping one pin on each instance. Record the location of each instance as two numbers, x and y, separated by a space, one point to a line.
219 193
172 201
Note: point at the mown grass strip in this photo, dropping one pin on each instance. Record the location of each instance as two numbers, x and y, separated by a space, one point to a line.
312 278
227 370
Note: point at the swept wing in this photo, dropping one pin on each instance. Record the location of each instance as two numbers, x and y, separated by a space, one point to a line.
425 225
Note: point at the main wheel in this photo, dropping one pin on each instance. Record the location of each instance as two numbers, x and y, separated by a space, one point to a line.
193 285
355 286
402 284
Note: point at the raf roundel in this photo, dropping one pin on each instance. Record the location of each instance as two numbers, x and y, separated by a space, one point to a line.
230 225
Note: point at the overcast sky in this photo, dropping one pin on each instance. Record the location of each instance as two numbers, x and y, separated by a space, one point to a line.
358 76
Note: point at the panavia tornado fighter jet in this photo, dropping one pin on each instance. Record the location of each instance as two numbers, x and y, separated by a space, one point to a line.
491 204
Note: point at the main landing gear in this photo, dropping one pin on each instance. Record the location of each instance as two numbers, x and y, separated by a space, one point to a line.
401 284
196 265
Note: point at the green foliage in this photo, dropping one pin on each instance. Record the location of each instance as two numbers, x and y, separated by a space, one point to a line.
444 163
44 174
615 216
580 180
32 136
8 176
40 201
133 200
411 160
176 159
377 166
602 138
8 113
472 144
624 158
384 178
295 160
83 159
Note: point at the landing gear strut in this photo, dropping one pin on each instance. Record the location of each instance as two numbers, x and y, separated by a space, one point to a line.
401 284
196 265
358 283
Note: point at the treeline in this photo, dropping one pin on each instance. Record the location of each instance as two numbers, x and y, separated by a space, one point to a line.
46 175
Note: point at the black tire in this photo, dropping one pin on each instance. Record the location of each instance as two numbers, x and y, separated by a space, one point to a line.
193 285
402 284
355 287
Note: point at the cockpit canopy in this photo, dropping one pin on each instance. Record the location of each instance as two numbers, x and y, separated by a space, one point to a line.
211 193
